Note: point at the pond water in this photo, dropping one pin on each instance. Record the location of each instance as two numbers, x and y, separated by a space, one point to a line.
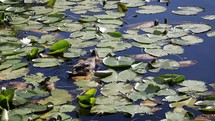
202 53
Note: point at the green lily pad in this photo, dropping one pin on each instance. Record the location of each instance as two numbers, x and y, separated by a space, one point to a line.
134 109
46 62
195 28
126 75
173 49
110 100
116 88
156 52
151 9
113 77
166 92
59 47
187 40
192 85
9 73
166 64
118 62
175 98
170 78
103 109
175 116
188 11
140 68
58 96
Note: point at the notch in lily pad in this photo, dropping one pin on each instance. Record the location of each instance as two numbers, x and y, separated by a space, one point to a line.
59 47
87 100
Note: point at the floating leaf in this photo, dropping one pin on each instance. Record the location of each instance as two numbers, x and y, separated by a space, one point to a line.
175 98
115 34
187 63
111 78
46 62
192 85
166 92
134 109
195 28
140 67
118 62
126 75
189 103
59 47
9 74
112 100
58 96
156 52
175 116
151 9
165 64
188 11
173 49
209 17
211 34
103 109
170 78
187 40
148 103
116 88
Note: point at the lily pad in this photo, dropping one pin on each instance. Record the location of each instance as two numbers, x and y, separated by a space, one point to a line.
188 11
192 85
46 62
134 109
173 49
118 62
9 73
209 17
116 89
151 9
211 34
187 40
156 52
58 96
195 28
126 75
59 47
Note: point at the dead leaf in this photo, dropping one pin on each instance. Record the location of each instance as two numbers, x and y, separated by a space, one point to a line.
88 76
205 117
148 103
212 85
17 85
39 31
156 109
187 63
141 25
143 57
